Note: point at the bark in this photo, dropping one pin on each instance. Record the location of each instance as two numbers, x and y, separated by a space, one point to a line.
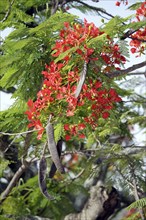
94 205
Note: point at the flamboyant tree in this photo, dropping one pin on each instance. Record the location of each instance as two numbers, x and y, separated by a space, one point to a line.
64 74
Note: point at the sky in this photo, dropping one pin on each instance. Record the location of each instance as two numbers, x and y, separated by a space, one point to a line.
110 7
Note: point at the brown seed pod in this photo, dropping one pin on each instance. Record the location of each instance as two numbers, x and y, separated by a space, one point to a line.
42 178
53 167
52 147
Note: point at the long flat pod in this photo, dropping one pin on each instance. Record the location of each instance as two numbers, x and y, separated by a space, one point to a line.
82 80
42 178
52 147
53 167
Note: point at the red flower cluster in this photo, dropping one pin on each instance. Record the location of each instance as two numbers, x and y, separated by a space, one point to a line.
139 36
76 36
33 116
57 95
141 11
112 56
119 3
136 43
97 102
102 101
74 130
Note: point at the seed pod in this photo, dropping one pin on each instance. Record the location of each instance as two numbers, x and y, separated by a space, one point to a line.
53 167
82 80
42 178
52 148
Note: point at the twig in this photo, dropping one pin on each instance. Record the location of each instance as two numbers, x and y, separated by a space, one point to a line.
136 191
14 180
103 151
27 143
8 12
136 73
135 101
78 175
134 38
21 133
94 8
54 8
44 148
99 144
24 166
130 32
125 71
10 144
124 178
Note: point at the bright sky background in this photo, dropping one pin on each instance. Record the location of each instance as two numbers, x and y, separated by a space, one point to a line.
109 6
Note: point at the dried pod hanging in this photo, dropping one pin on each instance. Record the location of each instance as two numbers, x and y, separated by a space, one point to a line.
42 178
53 167
52 147
82 80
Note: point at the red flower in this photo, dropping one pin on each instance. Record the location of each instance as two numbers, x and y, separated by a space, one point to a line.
66 127
141 11
82 136
67 137
59 96
70 113
97 84
133 50
40 132
81 126
105 115
29 114
30 103
118 3
74 130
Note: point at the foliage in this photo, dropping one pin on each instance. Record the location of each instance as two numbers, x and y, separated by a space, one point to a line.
138 204
43 60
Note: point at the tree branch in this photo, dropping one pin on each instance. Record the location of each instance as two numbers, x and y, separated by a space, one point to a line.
136 73
27 142
126 151
94 205
54 7
94 8
8 12
14 180
135 38
21 133
125 71
130 32
136 190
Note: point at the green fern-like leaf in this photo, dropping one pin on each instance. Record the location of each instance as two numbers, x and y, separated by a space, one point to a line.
5 81
58 131
62 55
138 204
90 141
114 24
124 48
22 16
134 6
136 25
